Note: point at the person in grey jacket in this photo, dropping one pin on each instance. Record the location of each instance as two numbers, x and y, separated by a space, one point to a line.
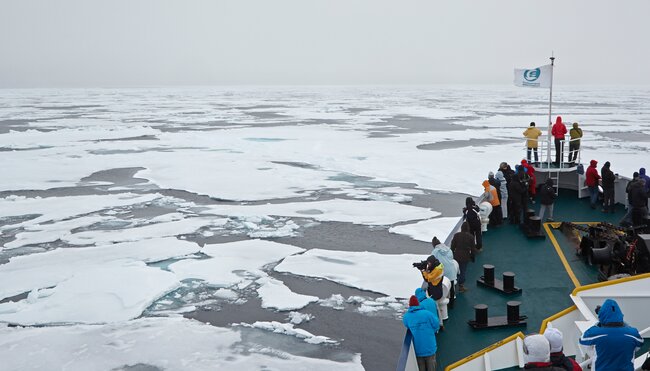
504 192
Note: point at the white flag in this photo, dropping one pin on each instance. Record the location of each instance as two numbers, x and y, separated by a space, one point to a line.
539 77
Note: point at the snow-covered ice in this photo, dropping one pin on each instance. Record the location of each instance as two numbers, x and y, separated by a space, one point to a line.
425 230
166 343
276 295
289 329
48 269
339 210
231 263
391 275
95 294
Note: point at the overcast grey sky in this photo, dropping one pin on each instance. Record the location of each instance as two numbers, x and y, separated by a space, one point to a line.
90 43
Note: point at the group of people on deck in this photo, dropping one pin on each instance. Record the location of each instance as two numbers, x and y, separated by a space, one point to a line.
509 193
558 131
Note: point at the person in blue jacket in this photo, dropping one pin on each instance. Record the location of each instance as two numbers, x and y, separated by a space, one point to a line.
423 326
614 341
428 303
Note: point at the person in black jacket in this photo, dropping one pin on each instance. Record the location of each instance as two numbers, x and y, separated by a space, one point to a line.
638 201
470 213
547 197
518 195
608 179
463 246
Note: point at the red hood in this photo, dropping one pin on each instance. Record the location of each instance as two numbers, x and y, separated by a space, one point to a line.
558 120
593 163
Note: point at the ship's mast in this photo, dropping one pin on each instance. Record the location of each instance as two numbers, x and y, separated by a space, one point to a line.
550 120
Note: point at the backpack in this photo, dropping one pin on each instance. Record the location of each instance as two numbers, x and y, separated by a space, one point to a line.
580 169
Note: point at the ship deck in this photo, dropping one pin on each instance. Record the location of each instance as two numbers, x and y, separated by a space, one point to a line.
546 280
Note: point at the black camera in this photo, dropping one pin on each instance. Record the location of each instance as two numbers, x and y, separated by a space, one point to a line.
421 265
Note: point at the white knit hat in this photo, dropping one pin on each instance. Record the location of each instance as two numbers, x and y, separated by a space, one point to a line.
554 337
536 349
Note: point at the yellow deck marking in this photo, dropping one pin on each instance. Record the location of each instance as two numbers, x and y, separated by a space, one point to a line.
559 252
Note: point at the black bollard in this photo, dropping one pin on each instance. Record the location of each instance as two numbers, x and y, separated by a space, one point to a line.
535 225
481 314
508 281
529 213
513 311
488 274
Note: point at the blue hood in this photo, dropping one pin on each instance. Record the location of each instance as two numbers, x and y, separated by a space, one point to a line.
420 294
642 171
610 312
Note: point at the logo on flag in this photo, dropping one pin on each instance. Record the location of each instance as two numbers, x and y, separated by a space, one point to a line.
531 75
539 77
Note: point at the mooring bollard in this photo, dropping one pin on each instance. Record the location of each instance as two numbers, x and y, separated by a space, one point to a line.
513 311
481 314
488 274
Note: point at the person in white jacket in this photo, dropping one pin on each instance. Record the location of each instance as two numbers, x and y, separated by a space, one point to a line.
444 254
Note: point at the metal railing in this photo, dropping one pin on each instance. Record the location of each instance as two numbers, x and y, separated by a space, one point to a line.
546 152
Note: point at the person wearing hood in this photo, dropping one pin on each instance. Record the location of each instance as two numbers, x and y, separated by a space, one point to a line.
591 181
558 131
537 353
532 183
608 188
462 245
423 326
450 267
558 359
613 341
432 275
532 133
574 145
547 197
427 303
503 188
491 195
646 179
470 214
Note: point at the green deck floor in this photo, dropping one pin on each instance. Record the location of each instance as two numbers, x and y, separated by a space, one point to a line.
539 272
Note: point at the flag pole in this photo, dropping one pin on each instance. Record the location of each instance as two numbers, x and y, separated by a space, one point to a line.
550 120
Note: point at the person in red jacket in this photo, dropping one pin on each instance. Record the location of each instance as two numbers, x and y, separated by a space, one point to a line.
591 181
558 131
532 183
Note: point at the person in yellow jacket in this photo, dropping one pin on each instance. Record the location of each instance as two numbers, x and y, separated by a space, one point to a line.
433 274
574 144
532 133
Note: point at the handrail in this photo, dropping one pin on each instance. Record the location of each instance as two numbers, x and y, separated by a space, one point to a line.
404 354
608 283
557 315
481 352
544 150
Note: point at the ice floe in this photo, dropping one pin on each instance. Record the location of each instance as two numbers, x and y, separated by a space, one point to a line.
48 269
95 294
338 210
165 343
289 329
234 262
391 275
276 295
61 208
425 230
